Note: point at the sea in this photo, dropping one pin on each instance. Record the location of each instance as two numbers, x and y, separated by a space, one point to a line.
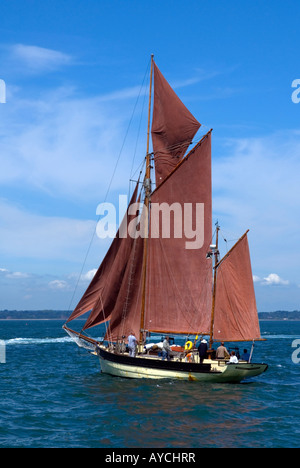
53 395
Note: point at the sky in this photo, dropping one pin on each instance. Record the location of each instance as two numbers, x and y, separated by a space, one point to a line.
73 72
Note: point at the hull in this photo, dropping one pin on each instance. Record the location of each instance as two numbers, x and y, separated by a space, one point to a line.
122 365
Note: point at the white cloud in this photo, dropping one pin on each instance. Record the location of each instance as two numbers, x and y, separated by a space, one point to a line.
256 279
89 275
273 278
14 274
39 58
58 284
17 275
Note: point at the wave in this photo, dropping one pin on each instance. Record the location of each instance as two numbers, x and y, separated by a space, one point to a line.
38 341
28 341
281 337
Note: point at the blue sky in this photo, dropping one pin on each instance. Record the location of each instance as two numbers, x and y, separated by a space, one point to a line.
73 71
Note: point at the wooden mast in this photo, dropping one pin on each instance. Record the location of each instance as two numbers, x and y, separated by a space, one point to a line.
147 186
216 253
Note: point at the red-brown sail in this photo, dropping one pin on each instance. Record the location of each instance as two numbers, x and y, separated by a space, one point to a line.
179 279
236 317
101 294
173 127
125 317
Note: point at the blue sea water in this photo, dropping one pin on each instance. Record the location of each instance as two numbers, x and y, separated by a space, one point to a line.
53 395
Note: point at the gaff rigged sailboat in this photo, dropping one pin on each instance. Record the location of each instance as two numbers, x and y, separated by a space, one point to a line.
161 274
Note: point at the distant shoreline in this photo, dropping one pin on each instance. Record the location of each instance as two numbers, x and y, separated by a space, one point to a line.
63 315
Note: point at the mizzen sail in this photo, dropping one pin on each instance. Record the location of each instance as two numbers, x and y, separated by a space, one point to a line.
236 317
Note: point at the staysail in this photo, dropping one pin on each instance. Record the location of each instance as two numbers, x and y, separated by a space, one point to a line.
102 292
236 317
173 127
125 317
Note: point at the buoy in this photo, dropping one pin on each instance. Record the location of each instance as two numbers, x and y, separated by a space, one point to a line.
188 345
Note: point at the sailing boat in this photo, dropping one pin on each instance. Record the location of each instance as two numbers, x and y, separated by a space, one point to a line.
162 274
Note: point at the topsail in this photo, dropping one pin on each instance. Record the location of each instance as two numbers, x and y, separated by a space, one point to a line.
173 127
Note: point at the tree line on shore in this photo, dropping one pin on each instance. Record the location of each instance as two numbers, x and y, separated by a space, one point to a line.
64 314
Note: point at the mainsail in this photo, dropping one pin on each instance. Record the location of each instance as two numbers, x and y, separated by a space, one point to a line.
179 278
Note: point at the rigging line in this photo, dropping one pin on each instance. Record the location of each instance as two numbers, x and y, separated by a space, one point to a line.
106 195
225 240
105 322
140 168
107 329
126 134
142 112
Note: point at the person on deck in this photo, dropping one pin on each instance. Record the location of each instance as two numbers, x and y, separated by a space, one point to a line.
245 356
132 344
233 359
123 345
222 352
202 348
166 351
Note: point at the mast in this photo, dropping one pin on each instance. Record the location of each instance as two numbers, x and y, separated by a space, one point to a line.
147 186
216 253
